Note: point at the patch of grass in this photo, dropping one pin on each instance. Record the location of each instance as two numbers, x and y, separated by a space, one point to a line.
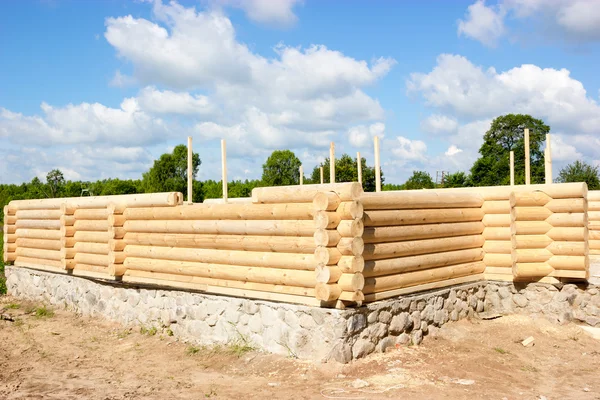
501 350
43 312
240 345
192 350
124 333
529 368
13 306
169 332
151 331
210 394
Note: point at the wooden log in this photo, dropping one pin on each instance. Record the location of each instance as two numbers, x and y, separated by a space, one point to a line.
351 228
421 262
39 253
359 167
512 167
351 264
548 159
530 227
116 269
419 217
415 232
259 227
531 255
38 234
116 257
556 191
92 237
594 195
287 211
327 292
567 220
532 241
496 220
92 248
229 257
45 244
38 214
116 245
424 287
10 238
566 205
116 233
92 213
531 269
67 242
377 165
295 194
568 234
497 246
279 244
37 224
321 174
407 199
68 263
327 237
499 270
89 270
130 200
568 248
593 235
10 247
529 199
332 163
327 255
594 244
350 210
352 297
10 219
67 231
23 261
527 158
376 251
327 274
9 210
497 260
351 282
91 225
351 246
569 262
116 220
92 259
530 213
593 206
234 200
230 272
496 207
493 233
593 215
326 219
398 281
326 201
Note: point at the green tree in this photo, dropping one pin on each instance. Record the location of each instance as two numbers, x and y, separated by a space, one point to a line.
419 180
169 172
392 186
456 180
580 171
346 170
55 180
506 134
282 168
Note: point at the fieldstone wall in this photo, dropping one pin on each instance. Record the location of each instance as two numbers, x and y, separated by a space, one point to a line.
301 331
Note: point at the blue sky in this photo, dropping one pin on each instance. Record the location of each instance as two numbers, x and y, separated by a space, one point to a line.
101 88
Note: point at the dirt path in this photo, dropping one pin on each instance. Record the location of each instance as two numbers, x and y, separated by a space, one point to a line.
53 354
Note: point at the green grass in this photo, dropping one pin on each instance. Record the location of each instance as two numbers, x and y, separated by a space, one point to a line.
43 312
501 350
191 350
13 306
151 331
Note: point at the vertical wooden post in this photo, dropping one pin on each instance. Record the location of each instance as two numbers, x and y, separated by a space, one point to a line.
359 167
548 159
527 158
190 168
332 163
512 168
301 175
377 167
224 168
321 170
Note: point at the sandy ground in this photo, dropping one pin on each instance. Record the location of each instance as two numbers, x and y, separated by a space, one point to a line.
54 354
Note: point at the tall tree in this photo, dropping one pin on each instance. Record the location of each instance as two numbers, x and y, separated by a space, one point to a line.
282 168
506 134
55 180
457 179
419 180
346 170
580 172
169 172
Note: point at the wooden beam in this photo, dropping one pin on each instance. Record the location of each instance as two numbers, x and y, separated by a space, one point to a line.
527 158
321 172
301 169
332 163
377 166
190 168
224 168
548 159
512 168
359 167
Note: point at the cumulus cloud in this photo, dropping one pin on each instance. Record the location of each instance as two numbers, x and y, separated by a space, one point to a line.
575 20
439 124
362 135
167 102
483 23
408 150
279 13
452 151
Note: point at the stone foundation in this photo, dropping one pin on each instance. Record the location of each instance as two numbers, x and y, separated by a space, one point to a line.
301 331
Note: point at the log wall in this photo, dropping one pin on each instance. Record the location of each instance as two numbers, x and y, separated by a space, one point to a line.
594 221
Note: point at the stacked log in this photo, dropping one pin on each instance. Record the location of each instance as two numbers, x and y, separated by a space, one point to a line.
594 221
339 247
419 240
497 236
549 235
9 235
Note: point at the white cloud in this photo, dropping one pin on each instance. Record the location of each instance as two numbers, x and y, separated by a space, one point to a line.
563 150
121 80
573 20
483 23
167 102
279 12
362 136
439 124
452 151
408 150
